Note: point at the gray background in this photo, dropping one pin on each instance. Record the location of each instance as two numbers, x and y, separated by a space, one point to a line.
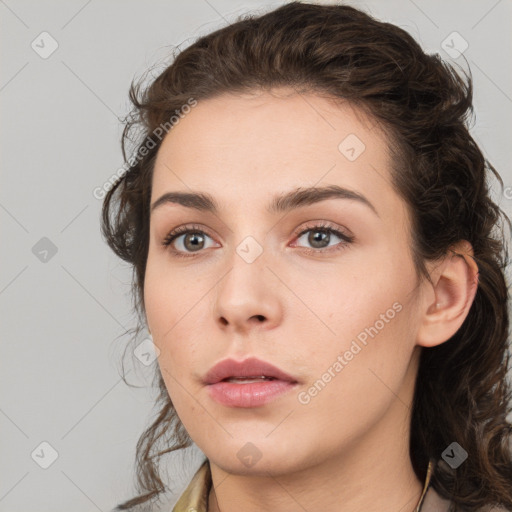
62 318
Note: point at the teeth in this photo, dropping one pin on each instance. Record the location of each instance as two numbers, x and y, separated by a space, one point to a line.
247 380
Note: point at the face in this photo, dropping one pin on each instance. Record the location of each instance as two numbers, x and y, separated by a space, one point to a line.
322 288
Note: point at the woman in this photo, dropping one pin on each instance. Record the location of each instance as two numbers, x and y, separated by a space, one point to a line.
316 259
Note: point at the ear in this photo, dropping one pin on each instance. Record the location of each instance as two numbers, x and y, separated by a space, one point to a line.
448 300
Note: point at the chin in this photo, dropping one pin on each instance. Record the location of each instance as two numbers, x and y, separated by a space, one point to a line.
257 458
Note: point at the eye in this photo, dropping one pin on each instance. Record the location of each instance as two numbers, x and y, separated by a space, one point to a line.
320 235
192 240
187 240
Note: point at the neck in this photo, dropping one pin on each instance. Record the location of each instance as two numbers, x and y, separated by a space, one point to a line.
384 495
376 477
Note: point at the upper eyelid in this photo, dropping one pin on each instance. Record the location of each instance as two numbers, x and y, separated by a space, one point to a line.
312 224
298 232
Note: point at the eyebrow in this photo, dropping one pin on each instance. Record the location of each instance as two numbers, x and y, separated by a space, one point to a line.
282 203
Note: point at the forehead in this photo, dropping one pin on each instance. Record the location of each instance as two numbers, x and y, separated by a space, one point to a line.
258 143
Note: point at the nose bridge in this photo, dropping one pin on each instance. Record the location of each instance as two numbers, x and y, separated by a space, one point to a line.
247 263
250 242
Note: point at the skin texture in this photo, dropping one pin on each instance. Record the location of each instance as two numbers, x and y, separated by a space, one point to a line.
350 443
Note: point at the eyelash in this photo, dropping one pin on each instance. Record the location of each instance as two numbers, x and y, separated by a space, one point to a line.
324 228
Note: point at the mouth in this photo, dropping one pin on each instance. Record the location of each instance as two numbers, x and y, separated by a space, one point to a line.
251 369
249 383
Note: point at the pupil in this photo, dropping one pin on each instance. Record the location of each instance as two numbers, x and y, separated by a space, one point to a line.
314 240
192 237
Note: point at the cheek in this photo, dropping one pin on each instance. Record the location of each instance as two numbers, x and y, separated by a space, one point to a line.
168 295
352 295
363 315
173 301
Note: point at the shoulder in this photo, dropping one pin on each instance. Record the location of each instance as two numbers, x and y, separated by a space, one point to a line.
194 496
433 502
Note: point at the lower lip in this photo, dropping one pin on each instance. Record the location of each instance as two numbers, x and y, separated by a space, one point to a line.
252 394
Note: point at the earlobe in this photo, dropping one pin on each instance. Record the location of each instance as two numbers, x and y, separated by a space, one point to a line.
455 287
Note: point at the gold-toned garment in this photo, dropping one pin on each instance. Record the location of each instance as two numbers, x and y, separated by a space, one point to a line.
195 496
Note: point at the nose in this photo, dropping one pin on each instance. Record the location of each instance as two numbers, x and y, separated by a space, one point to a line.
248 296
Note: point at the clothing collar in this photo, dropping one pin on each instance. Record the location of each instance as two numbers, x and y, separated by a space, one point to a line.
195 496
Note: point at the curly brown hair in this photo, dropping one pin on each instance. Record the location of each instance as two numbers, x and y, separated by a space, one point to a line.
461 390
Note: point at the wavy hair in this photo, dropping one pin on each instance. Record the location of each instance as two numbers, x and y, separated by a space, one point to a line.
461 392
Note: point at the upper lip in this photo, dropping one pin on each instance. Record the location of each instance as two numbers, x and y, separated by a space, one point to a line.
251 367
